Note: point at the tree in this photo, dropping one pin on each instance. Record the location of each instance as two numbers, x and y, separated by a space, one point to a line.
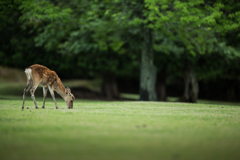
194 25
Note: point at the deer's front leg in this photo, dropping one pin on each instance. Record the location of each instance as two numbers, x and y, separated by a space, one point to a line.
45 89
32 91
53 96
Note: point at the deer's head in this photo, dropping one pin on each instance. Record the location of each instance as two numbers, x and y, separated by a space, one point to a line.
69 98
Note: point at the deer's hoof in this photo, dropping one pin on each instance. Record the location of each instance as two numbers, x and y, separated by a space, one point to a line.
37 107
43 107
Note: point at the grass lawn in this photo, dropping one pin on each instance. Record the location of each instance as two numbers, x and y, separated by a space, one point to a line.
118 130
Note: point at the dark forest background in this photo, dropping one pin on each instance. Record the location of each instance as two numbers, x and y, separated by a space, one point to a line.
154 48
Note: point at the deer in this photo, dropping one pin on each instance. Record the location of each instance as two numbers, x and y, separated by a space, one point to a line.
39 75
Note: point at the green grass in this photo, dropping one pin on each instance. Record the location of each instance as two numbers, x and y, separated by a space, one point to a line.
118 130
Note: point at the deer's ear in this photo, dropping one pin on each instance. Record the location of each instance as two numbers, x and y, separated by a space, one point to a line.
69 90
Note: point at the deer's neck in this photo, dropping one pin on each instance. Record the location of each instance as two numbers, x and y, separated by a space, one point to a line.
60 89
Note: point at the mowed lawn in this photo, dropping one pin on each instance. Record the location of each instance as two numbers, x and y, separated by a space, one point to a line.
118 131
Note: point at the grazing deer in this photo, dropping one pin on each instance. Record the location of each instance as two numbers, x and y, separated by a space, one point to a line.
41 75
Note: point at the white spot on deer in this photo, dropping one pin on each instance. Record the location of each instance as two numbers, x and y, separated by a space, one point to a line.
28 73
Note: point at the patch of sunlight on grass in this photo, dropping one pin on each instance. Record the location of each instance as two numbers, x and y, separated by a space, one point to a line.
175 99
130 96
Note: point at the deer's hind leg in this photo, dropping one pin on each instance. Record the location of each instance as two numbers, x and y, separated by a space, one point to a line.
29 84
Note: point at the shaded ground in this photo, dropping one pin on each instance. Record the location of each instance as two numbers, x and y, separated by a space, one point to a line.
85 93
12 75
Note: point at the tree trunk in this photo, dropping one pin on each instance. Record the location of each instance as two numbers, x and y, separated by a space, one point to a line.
191 84
161 85
109 86
148 70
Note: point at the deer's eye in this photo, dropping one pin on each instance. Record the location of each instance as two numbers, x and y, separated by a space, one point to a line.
71 101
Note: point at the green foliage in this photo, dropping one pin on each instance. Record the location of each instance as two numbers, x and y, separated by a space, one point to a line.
91 30
40 11
7 12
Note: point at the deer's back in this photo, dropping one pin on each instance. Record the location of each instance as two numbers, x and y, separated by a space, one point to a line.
43 74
